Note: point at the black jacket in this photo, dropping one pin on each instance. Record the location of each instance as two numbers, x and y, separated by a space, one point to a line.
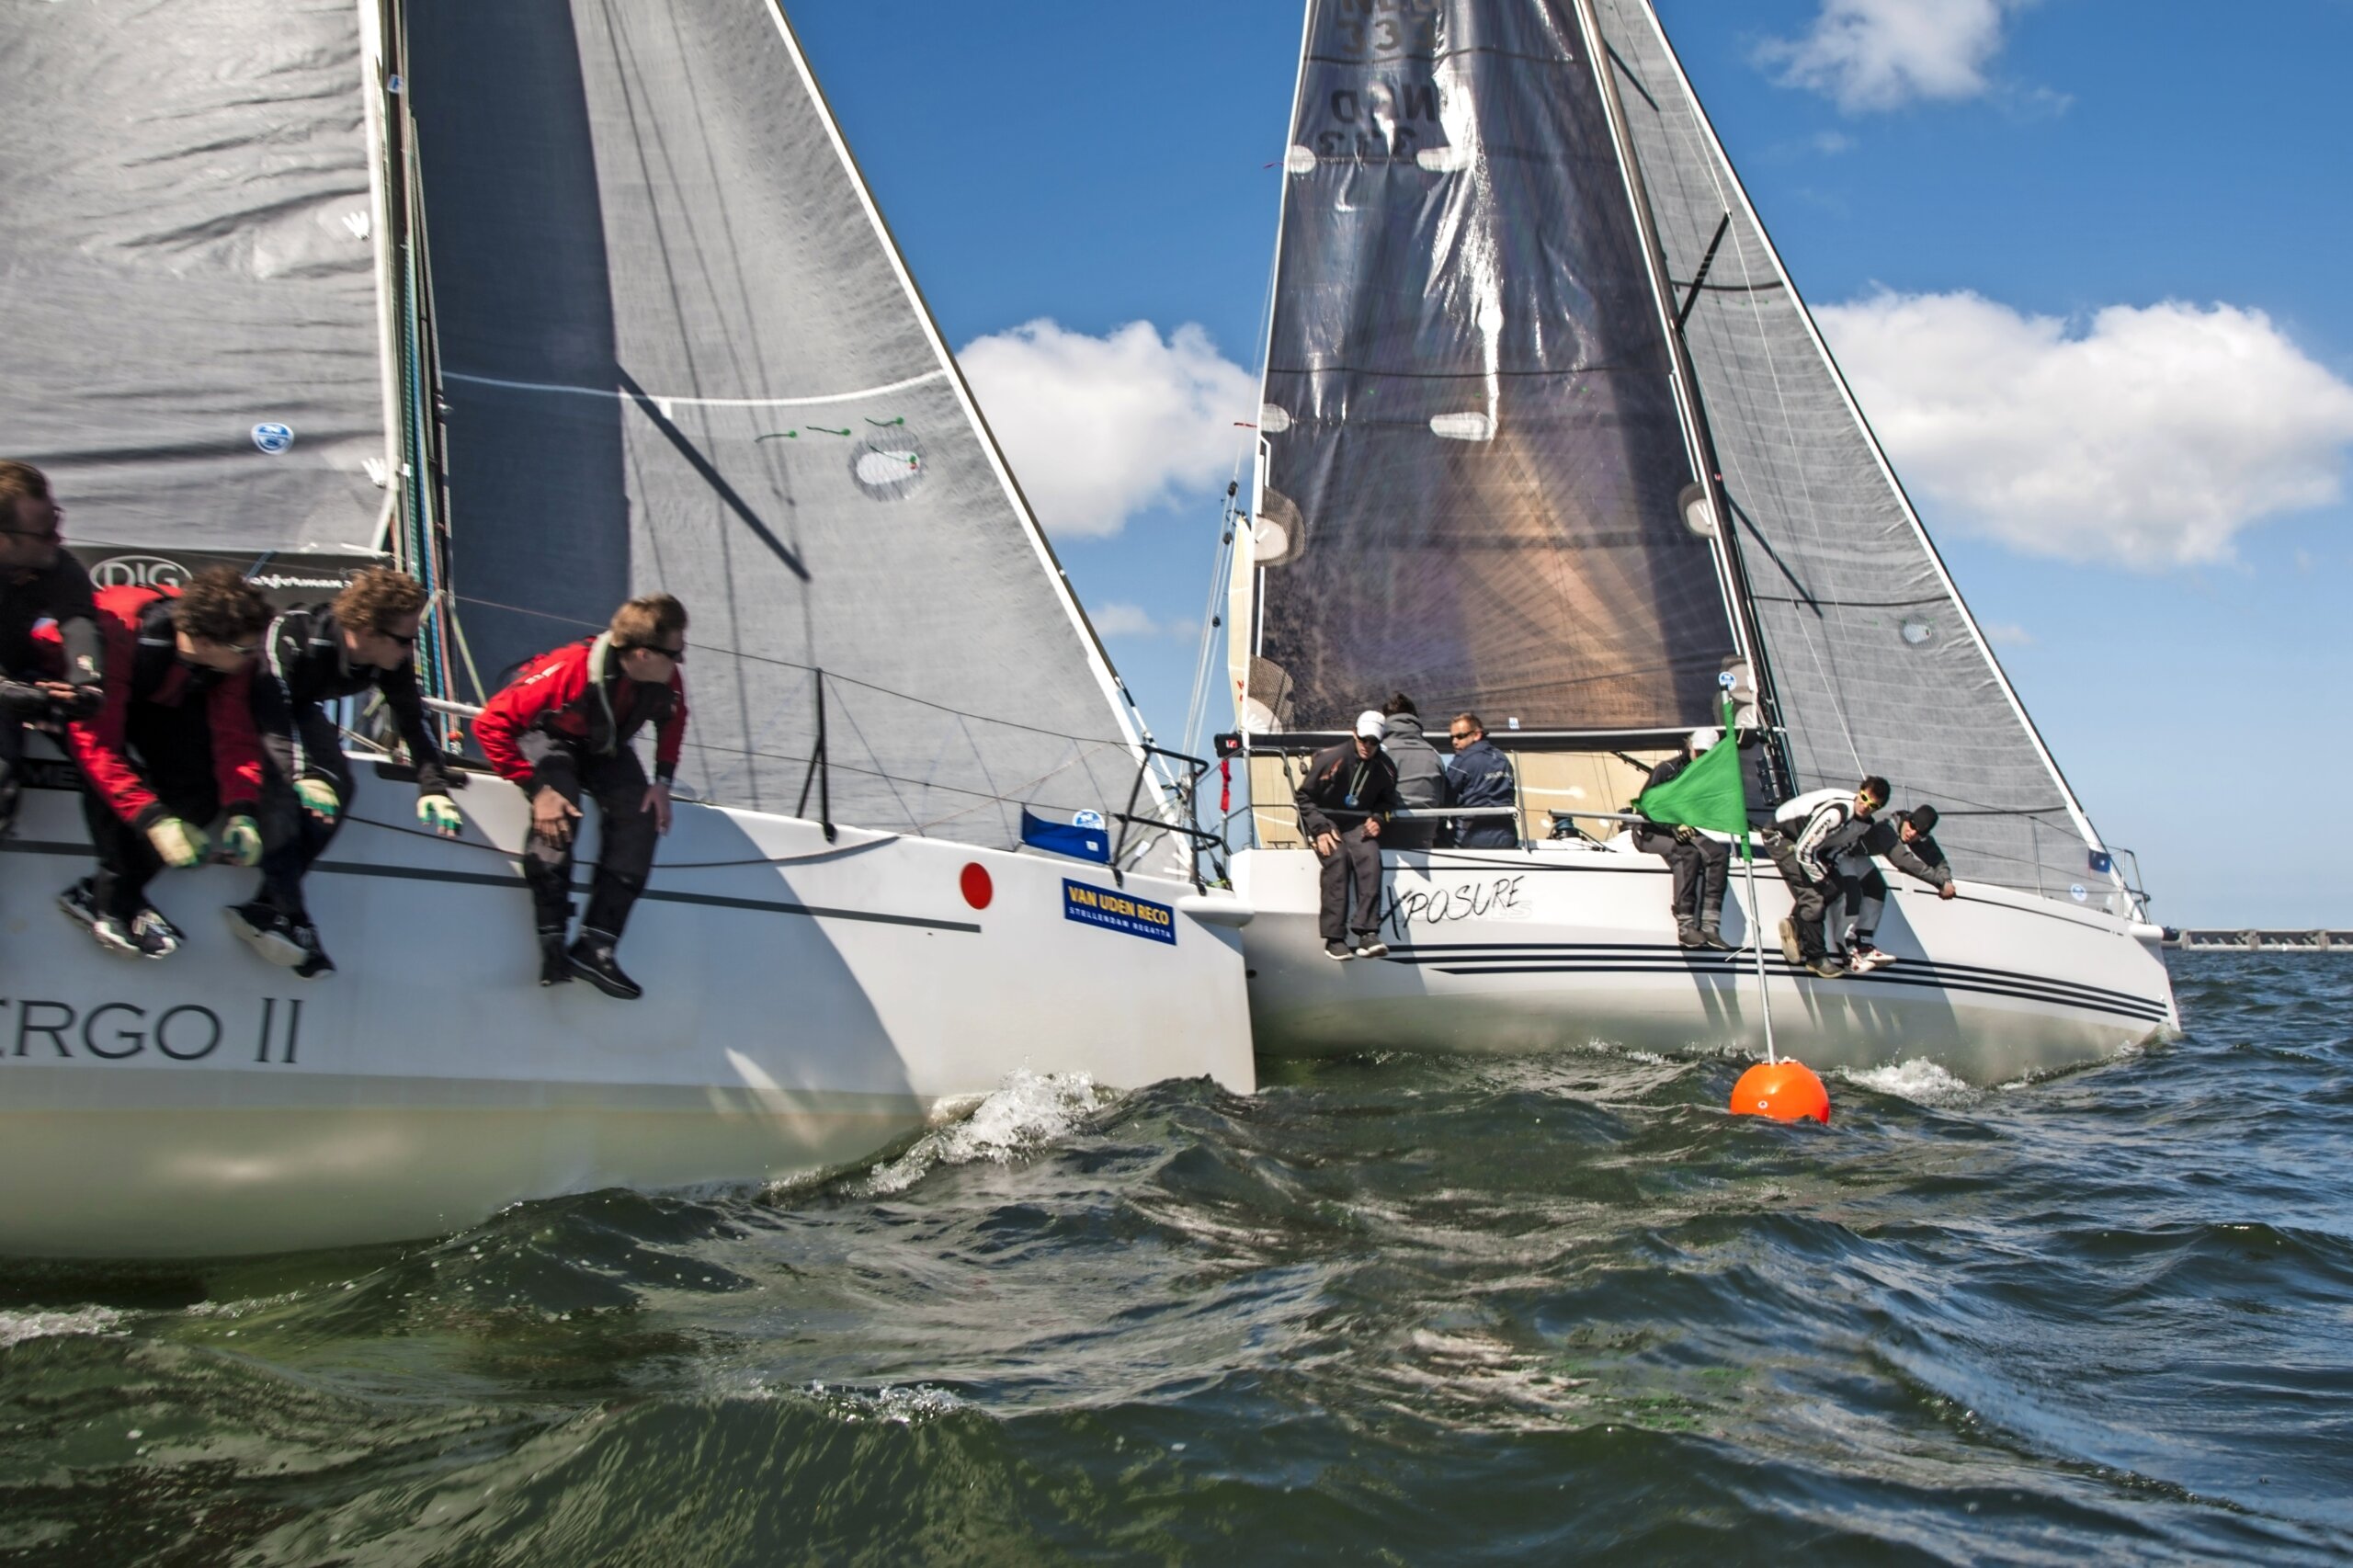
61 594
304 666
1342 790
1478 775
1923 857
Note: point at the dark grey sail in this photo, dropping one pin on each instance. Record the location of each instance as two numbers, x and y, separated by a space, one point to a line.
679 351
189 335
1474 447
1876 663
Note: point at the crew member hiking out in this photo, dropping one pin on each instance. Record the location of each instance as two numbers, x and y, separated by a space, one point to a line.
1348 788
1697 860
171 750
563 728
1811 834
47 683
1908 841
311 656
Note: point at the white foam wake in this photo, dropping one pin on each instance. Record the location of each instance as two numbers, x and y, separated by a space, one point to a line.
1919 1080
17 1327
1026 1110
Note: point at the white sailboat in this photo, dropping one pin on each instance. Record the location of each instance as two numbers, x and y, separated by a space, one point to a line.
1549 436
554 302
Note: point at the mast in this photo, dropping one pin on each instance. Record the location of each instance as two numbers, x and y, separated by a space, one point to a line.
1731 572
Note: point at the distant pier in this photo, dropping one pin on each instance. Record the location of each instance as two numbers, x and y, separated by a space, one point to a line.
2251 941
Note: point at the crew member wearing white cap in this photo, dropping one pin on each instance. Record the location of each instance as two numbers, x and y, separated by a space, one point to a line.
1348 790
1699 860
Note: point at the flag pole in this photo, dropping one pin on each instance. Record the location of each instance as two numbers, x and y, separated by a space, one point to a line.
1757 929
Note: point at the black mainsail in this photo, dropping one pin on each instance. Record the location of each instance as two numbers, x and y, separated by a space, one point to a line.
1474 448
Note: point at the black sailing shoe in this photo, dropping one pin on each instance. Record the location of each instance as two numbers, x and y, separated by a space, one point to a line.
592 960
158 937
1371 946
1711 937
555 965
269 931
315 963
80 903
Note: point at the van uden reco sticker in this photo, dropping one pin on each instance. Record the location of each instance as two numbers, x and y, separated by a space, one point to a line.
1117 911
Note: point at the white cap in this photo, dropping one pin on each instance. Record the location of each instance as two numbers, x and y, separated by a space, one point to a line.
1702 738
1372 725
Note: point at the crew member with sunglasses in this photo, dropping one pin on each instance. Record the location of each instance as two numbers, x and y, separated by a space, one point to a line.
171 751
39 683
562 729
311 655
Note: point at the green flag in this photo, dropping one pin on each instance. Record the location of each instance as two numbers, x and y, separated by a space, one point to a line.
1706 794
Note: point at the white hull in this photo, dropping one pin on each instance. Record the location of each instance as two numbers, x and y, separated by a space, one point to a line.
797 1016
1511 950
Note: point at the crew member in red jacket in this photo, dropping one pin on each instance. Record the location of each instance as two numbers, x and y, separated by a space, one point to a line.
172 749
564 726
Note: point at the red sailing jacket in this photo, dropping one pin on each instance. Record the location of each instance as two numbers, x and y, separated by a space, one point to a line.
143 664
578 694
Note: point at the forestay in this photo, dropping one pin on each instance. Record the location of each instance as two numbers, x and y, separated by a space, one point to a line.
1876 663
1475 452
680 352
188 272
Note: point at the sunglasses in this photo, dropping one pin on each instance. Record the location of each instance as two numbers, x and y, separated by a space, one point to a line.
49 535
676 655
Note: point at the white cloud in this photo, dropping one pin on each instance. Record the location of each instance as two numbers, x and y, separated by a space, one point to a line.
1877 55
1101 428
2006 634
1117 620
2149 436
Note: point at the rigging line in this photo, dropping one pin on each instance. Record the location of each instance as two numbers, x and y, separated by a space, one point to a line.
668 400
792 665
1812 603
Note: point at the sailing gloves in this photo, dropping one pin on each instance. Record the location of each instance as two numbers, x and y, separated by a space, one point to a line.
318 798
439 813
180 844
241 842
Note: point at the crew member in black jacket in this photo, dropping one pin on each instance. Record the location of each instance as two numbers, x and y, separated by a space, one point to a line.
1908 840
313 655
1699 863
1348 788
39 582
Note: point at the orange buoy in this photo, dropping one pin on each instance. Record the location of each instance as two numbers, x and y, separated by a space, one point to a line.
1786 1091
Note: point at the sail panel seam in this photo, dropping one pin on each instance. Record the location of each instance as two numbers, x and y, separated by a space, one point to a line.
666 401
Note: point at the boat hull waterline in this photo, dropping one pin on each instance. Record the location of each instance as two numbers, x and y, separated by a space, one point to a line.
807 1004
1509 951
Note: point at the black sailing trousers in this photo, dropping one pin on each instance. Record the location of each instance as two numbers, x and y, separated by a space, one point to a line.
172 747
1808 897
626 856
292 838
1351 883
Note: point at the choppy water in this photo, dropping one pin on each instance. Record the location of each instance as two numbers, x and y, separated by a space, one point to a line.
1403 1310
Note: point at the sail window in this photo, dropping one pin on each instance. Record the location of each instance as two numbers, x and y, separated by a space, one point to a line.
1699 510
1300 161
1274 419
888 472
1917 632
1463 427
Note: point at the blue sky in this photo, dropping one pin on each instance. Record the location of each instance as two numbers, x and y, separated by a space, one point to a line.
2085 260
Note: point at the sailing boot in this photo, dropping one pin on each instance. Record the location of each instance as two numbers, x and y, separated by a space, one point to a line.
1687 934
592 960
1337 948
555 965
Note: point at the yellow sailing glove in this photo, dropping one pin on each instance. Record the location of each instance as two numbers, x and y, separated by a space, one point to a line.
181 843
319 798
440 813
241 842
